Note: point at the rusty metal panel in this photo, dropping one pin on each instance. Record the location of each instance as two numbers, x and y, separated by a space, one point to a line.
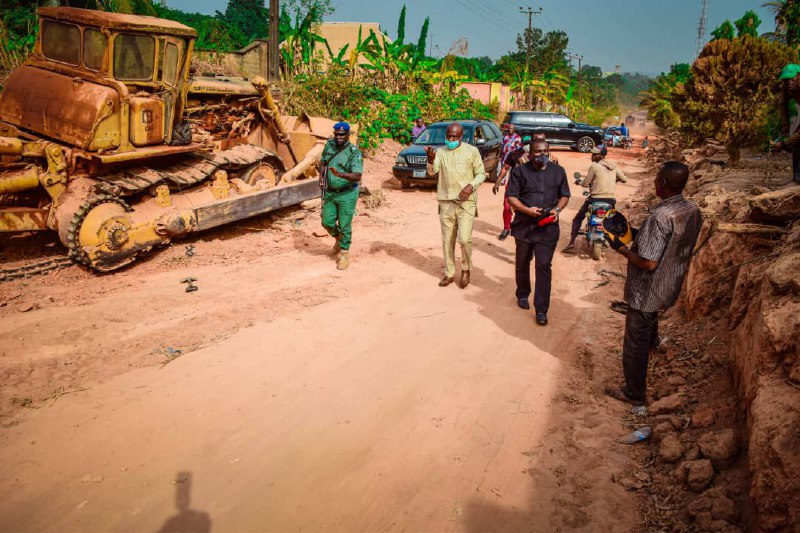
240 207
148 152
243 154
221 85
23 219
147 120
103 19
55 105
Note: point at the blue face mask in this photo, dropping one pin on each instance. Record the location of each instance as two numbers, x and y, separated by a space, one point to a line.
542 160
452 144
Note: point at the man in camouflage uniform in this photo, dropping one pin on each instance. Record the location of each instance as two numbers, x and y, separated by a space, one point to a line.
341 167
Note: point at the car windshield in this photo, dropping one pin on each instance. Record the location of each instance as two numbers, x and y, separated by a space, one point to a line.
435 135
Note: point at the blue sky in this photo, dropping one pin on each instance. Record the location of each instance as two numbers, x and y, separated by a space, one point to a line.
642 36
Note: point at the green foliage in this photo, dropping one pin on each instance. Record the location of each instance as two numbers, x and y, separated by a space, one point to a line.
748 24
18 29
249 17
295 8
423 38
657 98
380 113
787 20
299 48
401 26
213 33
546 49
733 86
723 31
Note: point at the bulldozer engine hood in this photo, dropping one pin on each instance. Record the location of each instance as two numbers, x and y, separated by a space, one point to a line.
219 85
60 107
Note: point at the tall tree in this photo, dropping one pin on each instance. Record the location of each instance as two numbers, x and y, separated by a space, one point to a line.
787 20
748 24
250 17
301 8
732 87
401 26
723 31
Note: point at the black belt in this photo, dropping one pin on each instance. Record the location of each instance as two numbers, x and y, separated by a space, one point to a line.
349 188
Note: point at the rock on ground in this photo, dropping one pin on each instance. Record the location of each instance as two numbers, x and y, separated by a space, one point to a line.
719 447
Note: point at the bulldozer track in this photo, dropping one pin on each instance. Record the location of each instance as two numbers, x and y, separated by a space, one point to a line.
76 253
35 269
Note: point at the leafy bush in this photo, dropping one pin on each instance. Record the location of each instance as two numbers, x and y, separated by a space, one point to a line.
658 97
381 114
733 86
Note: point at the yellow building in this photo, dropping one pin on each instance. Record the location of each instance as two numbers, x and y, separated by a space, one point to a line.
339 34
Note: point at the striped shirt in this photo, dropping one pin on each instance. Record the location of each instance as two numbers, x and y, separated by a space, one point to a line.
668 236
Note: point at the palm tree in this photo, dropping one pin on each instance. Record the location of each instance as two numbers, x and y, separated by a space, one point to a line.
787 20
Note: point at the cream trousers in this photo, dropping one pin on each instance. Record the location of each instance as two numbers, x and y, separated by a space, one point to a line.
457 219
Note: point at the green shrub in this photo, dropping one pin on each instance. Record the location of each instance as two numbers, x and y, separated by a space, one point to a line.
733 86
380 114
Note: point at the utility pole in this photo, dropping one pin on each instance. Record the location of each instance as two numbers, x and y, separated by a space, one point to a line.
273 65
530 12
701 27
580 75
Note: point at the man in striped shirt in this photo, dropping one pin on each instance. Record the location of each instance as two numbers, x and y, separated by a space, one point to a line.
658 261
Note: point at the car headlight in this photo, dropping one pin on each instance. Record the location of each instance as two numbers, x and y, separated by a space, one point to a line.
400 161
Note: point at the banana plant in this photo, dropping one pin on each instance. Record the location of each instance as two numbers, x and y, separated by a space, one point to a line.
299 47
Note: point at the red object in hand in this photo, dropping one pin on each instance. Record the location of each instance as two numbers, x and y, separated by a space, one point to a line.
546 220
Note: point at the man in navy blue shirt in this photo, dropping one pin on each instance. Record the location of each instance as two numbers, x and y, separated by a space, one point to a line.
538 191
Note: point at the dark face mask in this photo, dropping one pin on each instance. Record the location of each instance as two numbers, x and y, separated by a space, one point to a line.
541 160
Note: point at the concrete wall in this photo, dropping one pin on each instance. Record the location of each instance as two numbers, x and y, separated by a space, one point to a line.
486 92
250 61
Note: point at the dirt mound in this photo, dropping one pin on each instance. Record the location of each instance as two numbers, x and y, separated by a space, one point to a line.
745 276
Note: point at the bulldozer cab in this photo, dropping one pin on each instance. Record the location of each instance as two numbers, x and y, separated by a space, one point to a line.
128 72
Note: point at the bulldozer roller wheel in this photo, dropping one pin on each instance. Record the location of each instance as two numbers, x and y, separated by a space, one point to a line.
101 220
262 173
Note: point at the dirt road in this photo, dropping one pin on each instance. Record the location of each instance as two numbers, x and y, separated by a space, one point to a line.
285 395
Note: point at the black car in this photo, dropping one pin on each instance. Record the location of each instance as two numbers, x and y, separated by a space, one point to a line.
409 167
559 129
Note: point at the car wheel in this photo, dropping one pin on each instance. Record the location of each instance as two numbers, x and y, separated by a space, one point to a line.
585 144
403 184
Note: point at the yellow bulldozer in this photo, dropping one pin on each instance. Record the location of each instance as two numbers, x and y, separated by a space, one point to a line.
108 138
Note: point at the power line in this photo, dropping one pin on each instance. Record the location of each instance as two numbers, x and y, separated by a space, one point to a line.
472 10
487 14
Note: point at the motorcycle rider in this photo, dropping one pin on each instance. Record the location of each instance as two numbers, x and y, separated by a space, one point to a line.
601 181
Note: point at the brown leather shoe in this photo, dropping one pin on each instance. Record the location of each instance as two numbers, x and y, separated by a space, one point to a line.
464 279
445 281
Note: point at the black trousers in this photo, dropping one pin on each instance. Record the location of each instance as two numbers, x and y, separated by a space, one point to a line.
796 162
543 252
641 335
581 216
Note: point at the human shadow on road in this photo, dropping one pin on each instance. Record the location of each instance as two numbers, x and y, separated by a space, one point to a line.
313 245
186 520
495 297
481 226
495 250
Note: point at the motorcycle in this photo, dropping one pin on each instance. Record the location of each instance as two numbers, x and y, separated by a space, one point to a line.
595 236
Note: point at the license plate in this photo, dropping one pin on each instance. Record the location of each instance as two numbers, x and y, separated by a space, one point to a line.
419 173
